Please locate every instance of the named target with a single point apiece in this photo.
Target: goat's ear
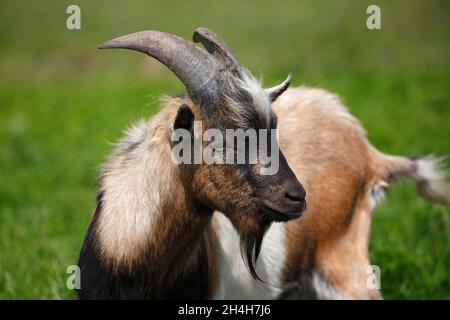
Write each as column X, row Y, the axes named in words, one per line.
column 184, row 118
column 276, row 91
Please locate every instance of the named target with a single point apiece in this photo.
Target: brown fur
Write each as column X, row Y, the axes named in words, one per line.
column 328, row 151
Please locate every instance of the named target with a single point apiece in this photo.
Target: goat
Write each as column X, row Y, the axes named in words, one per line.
column 164, row 230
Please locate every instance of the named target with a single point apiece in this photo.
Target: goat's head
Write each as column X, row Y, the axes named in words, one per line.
column 226, row 96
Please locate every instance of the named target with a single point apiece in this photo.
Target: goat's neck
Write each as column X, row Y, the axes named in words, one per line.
column 146, row 217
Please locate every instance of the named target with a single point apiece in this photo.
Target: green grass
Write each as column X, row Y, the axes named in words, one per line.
column 62, row 102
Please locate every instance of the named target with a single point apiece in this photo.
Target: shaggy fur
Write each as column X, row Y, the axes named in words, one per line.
column 154, row 234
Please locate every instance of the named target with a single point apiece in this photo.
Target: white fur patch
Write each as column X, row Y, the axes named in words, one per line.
column 377, row 193
column 260, row 97
column 235, row 279
column 324, row 289
column 431, row 179
column 430, row 168
column 134, row 185
column 133, row 135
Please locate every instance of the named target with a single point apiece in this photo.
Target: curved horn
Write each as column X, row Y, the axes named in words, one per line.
column 216, row 46
column 192, row 65
column 276, row 91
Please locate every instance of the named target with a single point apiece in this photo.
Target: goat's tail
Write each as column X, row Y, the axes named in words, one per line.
column 427, row 171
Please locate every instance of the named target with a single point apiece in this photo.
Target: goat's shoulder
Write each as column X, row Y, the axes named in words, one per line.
column 316, row 127
column 317, row 107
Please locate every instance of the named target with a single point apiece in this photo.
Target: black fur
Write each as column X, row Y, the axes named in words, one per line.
column 184, row 118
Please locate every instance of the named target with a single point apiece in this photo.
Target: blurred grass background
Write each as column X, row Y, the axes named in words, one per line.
column 62, row 101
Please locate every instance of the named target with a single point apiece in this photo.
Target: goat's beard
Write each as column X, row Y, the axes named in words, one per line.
column 250, row 250
column 251, row 232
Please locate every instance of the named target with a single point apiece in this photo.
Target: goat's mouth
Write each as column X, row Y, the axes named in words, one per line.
column 281, row 213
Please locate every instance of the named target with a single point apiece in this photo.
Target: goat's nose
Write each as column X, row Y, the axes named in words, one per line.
column 294, row 196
